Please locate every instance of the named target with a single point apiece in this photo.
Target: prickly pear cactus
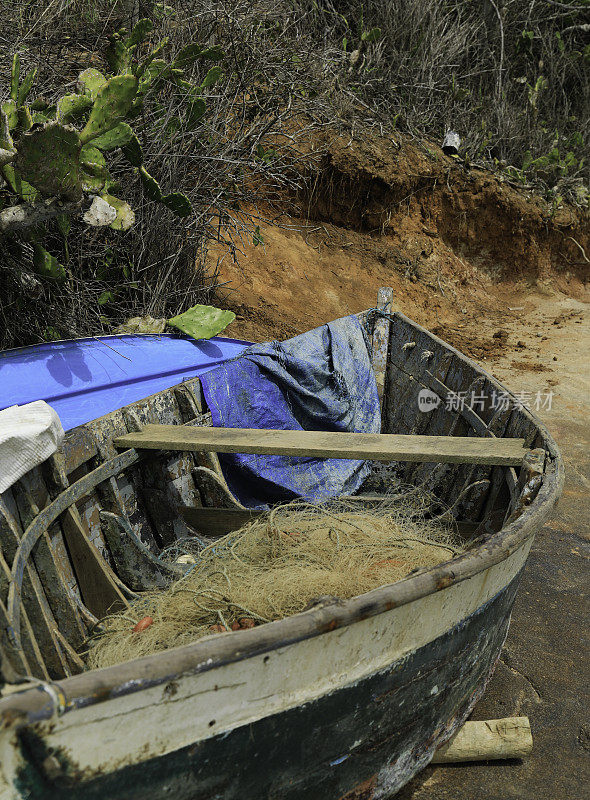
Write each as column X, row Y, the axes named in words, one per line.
column 90, row 81
column 150, row 185
column 46, row 265
column 7, row 148
column 133, row 152
column 118, row 136
column 202, row 322
column 178, row 203
column 60, row 151
column 72, row 106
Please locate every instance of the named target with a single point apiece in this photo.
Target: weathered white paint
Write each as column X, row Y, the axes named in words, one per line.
column 160, row 720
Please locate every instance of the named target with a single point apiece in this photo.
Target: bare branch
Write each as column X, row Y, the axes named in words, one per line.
column 583, row 28
column 17, row 218
column 566, row 6
column 501, row 64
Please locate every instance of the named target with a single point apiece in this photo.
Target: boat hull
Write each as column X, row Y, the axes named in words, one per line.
column 414, row 674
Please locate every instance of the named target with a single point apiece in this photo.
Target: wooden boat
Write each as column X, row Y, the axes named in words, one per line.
column 347, row 700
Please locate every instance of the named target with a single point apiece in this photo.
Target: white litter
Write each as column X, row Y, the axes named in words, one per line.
column 29, row 434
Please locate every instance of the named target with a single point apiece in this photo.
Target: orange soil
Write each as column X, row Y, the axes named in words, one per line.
column 484, row 265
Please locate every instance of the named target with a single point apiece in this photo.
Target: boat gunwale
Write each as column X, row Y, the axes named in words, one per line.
column 97, row 686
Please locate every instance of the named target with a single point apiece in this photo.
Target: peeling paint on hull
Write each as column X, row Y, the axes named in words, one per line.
column 379, row 731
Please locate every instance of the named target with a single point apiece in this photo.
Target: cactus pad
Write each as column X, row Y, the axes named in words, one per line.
column 25, row 119
column 139, row 33
column 117, row 54
column 39, row 104
column 112, row 104
column 118, row 136
column 18, row 186
column 211, row 77
column 132, row 152
column 90, row 81
column 91, row 182
column 6, row 142
column 49, row 158
column 125, row 214
column 41, row 117
column 92, row 155
column 195, row 111
column 189, row 54
column 94, row 173
column 25, row 88
column 7, row 149
column 72, row 106
column 151, row 185
column 178, row 203
column 9, row 108
column 144, row 65
column 46, row 265
column 152, row 72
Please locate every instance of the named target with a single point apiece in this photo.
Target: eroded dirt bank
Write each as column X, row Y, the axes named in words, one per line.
column 454, row 242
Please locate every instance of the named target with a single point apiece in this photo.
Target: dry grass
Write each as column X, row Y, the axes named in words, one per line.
column 510, row 76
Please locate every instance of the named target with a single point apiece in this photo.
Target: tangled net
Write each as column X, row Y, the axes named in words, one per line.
column 275, row 566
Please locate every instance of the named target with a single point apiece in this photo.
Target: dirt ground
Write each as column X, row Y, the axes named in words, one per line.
column 496, row 273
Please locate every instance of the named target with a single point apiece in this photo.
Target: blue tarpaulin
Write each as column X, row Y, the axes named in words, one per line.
column 82, row 379
column 319, row 381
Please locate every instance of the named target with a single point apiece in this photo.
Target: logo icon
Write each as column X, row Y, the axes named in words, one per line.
column 428, row 400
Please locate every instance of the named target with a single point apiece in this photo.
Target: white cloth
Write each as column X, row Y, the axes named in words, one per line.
column 29, row 434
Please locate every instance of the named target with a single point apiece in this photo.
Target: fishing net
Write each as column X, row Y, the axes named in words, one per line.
column 278, row 565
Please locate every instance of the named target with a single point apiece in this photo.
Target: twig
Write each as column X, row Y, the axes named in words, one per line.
column 501, row 64
column 566, row 6
column 584, row 28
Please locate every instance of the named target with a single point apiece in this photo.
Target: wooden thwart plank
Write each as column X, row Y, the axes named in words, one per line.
column 370, row 446
column 218, row 521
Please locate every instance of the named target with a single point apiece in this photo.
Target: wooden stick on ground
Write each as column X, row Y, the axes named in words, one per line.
column 485, row 741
